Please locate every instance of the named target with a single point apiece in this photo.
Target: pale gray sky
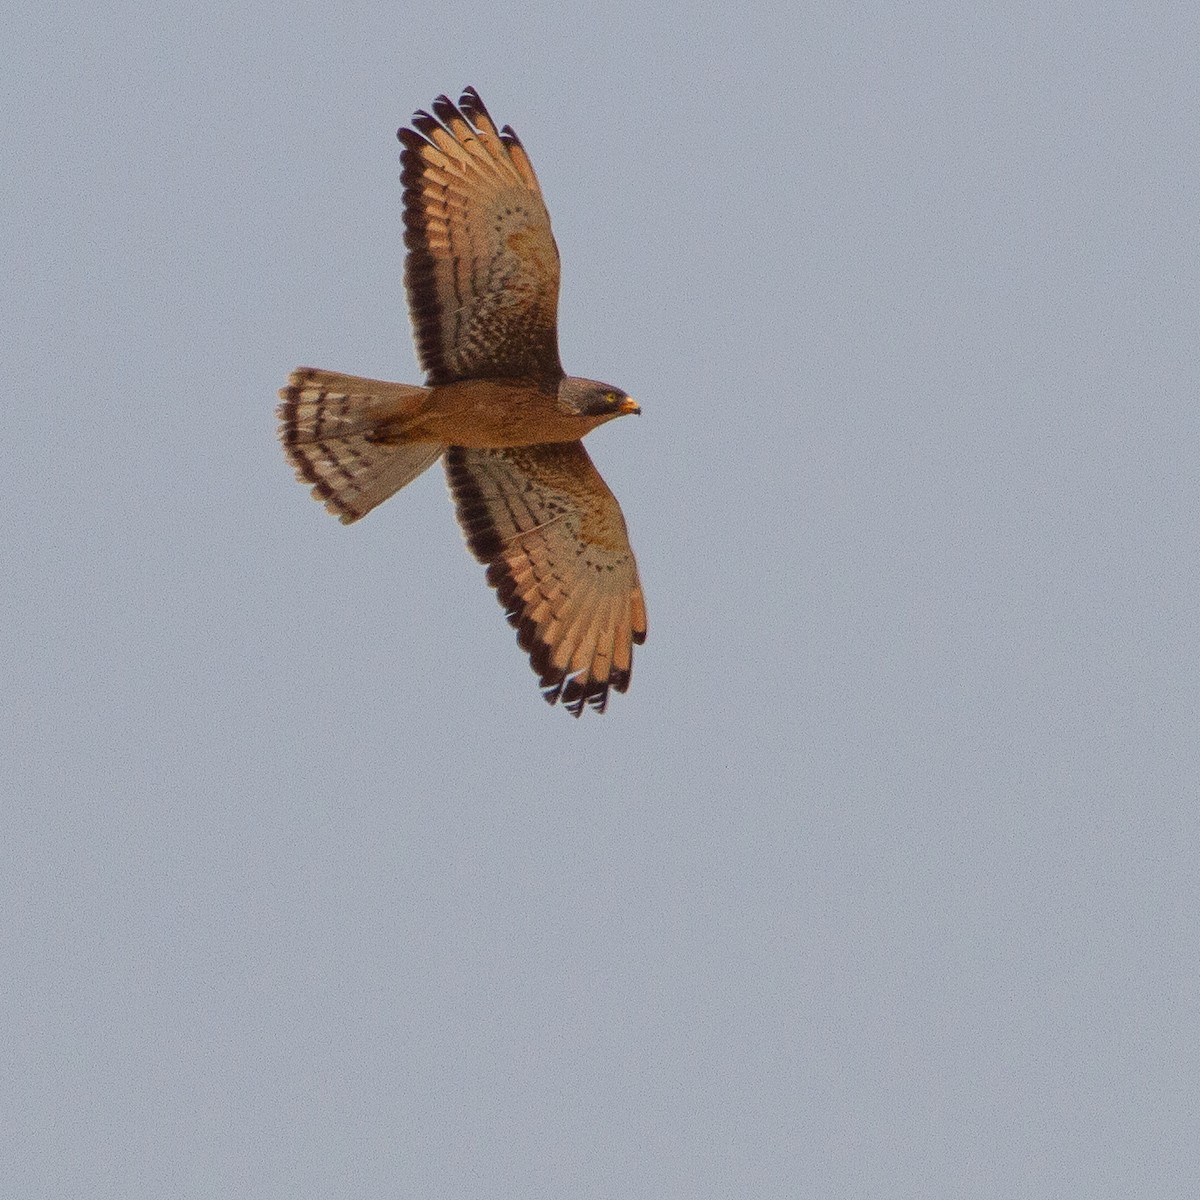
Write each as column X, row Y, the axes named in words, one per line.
column 881, row 880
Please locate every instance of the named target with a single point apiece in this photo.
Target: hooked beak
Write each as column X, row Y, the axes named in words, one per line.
column 629, row 405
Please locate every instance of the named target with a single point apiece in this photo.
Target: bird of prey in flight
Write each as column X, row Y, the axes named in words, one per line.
column 497, row 408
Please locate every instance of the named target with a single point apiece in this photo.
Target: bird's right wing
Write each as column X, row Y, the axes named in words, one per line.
column 482, row 267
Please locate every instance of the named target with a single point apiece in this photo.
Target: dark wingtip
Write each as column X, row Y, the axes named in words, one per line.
column 444, row 109
column 581, row 690
column 471, row 104
column 425, row 123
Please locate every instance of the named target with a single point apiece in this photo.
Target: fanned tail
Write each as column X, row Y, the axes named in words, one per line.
column 347, row 437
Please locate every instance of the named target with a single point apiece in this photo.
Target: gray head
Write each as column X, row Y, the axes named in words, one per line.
column 591, row 399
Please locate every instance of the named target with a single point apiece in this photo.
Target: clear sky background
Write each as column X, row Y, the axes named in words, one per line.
column 882, row 879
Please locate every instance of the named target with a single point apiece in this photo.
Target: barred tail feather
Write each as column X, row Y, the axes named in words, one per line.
column 345, row 436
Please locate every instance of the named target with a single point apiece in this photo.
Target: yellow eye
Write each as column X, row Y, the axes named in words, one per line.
column 611, row 397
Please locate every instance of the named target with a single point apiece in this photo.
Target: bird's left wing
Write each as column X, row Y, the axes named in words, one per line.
column 558, row 555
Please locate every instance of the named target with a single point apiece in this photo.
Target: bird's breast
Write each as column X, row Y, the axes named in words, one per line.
column 488, row 414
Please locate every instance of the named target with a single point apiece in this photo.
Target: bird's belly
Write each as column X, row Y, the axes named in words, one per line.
column 485, row 414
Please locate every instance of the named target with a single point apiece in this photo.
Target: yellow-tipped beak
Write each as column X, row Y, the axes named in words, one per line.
column 630, row 405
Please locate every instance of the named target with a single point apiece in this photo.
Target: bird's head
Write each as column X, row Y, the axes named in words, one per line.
column 598, row 400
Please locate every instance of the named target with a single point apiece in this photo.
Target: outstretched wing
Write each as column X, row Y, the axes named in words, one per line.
column 559, row 558
column 482, row 267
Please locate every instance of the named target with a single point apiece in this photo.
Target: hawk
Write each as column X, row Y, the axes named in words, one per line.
column 497, row 408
